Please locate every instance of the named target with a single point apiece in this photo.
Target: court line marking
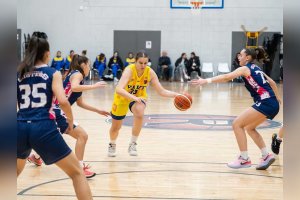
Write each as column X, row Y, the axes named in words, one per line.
column 151, row 171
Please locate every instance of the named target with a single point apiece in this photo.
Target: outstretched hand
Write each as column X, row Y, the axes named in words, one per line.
column 100, row 84
column 104, row 113
column 199, row 81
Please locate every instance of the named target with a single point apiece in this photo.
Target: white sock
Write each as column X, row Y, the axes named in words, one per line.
column 264, row 152
column 37, row 156
column 134, row 138
column 244, row 155
column 81, row 163
column 113, row 141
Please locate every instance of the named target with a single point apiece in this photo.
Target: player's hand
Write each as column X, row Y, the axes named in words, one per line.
column 103, row 112
column 100, row 84
column 140, row 100
column 199, row 81
column 70, row 125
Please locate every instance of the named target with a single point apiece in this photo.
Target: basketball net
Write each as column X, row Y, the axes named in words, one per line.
column 196, row 6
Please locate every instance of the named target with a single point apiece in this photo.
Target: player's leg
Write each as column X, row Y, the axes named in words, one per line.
column 48, row 142
column 238, row 126
column 276, row 141
column 20, row 165
column 81, row 137
column 138, row 110
column 116, row 125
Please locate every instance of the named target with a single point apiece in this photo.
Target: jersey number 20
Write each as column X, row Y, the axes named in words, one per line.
column 41, row 98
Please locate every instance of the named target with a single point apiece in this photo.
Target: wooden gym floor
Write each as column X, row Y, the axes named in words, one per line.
column 172, row 163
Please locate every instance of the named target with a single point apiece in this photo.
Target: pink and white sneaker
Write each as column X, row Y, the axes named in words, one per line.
column 265, row 162
column 240, row 163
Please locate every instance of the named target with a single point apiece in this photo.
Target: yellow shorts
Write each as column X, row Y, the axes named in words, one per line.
column 119, row 111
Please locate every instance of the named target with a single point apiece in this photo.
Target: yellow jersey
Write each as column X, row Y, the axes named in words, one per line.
column 136, row 86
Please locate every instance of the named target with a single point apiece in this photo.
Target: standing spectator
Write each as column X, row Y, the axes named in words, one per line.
column 194, row 64
column 115, row 64
column 84, row 52
column 68, row 61
column 58, row 62
column 130, row 59
column 164, row 67
column 181, row 65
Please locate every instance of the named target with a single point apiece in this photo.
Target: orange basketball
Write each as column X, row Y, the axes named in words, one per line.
column 182, row 102
column 188, row 96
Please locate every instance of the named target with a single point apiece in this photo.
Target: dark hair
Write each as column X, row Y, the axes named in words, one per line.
column 183, row 54
column 76, row 62
column 256, row 53
column 193, row 53
column 101, row 56
column 72, row 51
column 37, row 47
column 141, row 55
column 84, row 52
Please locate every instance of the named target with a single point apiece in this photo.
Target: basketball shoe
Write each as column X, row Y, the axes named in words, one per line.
column 34, row 160
column 275, row 146
column 132, row 149
column 111, row 150
column 240, row 163
column 265, row 162
column 87, row 172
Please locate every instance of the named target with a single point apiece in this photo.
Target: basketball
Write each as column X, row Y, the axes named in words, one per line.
column 183, row 102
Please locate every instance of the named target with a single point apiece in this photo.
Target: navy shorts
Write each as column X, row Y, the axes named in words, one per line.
column 44, row 137
column 268, row 107
column 61, row 121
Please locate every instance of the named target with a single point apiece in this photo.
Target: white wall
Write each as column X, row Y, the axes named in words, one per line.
column 208, row 34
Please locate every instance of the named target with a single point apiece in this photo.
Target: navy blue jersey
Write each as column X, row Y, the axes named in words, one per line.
column 34, row 94
column 257, row 84
column 72, row 96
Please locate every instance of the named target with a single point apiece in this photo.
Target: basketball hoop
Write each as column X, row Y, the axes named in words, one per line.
column 196, row 6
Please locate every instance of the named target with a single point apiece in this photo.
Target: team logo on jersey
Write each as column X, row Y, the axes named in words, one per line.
column 193, row 122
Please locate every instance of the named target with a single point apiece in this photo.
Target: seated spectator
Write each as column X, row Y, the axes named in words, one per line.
column 84, row 52
column 165, row 69
column 58, row 62
column 194, row 64
column 130, row 59
column 115, row 64
column 100, row 65
column 181, row 66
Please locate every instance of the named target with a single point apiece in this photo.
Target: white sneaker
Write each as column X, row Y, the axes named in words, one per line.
column 181, row 80
column 132, row 149
column 111, row 150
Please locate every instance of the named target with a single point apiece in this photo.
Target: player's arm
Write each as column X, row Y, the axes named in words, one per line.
column 241, row 71
column 274, row 87
column 58, row 90
column 76, row 87
column 120, row 88
column 86, row 106
column 158, row 87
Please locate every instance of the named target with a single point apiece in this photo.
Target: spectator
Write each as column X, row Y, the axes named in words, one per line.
column 194, row 64
column 84, row 52
column 181, row 66
column 164, row 67
column 68, row 61
column 100, row 65
column 130, row 59
column 115, row 64
column 58, row 62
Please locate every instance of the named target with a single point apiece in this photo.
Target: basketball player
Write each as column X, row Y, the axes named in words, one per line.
column 73, row 85
column 265, row 95
column 37, row 84
column 131, row 94
column 276, row 141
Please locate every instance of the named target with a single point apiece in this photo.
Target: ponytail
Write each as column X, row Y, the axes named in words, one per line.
column 256, row 54
column 76, row 62
column 37, row 47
